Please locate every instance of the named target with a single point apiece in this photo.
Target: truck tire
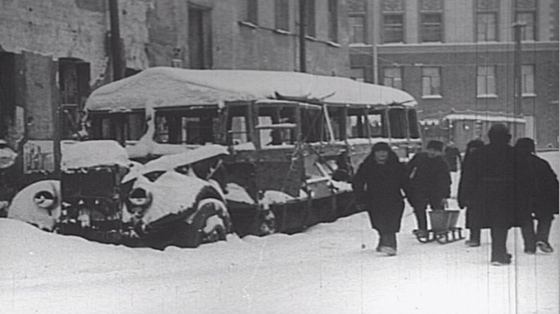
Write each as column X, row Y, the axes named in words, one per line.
column 211, row 223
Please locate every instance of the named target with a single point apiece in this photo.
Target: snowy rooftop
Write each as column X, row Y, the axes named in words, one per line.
column 169, row 87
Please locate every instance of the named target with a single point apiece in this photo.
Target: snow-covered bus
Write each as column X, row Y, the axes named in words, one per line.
column 292, row 142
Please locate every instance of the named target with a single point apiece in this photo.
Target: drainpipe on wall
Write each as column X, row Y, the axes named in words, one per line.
column 115, row 40
column 302, row 24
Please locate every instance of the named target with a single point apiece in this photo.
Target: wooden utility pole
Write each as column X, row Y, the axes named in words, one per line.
column 517, row 75
column 302, row 26
column 115, row 40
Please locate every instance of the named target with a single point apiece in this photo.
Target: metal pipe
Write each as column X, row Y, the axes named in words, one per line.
column 115, row 40
column 302, row 25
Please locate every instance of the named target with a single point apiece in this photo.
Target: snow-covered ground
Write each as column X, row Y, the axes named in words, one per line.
column 330, row 268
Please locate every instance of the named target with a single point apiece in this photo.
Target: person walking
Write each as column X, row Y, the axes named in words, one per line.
column 537, row 193
column 379, row 186
column 488, row 186
column 452, row 156
column 474, row 222
column 430, row 183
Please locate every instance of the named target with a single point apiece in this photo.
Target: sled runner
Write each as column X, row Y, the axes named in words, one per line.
column 443, row 227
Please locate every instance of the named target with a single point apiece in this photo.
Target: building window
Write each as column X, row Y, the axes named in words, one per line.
column 357, row 21
column 486, row 26
column 431, row 27
column 526, row 12
column 310, row 18
column 431, row 81
column 333, row 20
column 393, row 21
column 431, row 15
column 357, row 74
column 281, row 15
column 487, row 20
column 252, row 12
column 527, row 32
column 393, row 30
column 486, row 81
column 356, row 25
column 392, row 77
column 528, row 80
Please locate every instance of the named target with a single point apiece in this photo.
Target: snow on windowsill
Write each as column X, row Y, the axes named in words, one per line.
column 282, row 32
column 487, row 96
column 333, row 44
column 529, row 95
column 432, row 97
column 248, row 24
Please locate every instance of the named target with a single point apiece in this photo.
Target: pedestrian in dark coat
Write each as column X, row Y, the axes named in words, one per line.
column 537, row 193
column 474, row 222
column 379, row 185
column 430, row 183
column 452, row 156
column 488, row 184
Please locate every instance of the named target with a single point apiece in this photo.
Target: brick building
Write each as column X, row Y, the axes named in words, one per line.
column 457, row 56
column 55, row 52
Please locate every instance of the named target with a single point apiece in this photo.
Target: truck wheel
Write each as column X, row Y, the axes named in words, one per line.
column 211, row 223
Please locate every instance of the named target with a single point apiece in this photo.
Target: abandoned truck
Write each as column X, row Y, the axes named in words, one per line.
column 215, row 151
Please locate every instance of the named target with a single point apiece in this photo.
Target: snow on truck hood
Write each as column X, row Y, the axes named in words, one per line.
column 179, row 87
column 76, row 155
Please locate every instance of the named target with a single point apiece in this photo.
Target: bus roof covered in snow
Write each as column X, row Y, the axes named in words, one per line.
column 172, row 87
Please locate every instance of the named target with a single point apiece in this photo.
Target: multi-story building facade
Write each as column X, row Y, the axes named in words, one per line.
column 458, row 56
column 55, row 52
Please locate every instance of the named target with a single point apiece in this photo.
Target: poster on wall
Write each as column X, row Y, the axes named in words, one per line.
column 38, row 156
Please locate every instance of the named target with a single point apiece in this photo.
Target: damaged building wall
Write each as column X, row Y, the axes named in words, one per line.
column 233, row 44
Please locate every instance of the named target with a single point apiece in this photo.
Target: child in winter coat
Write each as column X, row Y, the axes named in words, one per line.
column 379, row 185
column 430, row 183
column 473, row 221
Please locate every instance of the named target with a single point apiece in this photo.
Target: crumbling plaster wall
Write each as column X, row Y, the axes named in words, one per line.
column 74, row 29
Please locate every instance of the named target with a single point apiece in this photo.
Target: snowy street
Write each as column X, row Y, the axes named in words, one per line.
column 329, row 268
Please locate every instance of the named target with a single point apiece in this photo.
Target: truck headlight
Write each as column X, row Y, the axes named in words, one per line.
column 44, row 199
column 139, row 197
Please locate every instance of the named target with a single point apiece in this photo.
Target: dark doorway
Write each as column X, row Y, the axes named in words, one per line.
column 200, row 39
column 73, row 78
column 7, row 91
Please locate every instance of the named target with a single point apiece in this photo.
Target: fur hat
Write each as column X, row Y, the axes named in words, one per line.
column 525, row 146
column 499, row 133
column 436, row 145
column 381, row 146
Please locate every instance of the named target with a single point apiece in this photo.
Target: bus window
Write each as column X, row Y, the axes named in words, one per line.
column 336, row 116
column 135, row 126
column 107, row 129
column 110, row 126
column 239, row 130
column 237, row 125
column 355, row 125
column 398, row 123
column 311, row 125
column 187, row 127
column 376, row 125
column 275, row 125
column 162, row 130
column 413, row 124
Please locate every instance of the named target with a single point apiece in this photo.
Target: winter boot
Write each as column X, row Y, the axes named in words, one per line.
column 388, row 250
column 545, row 247
column 502, row 261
